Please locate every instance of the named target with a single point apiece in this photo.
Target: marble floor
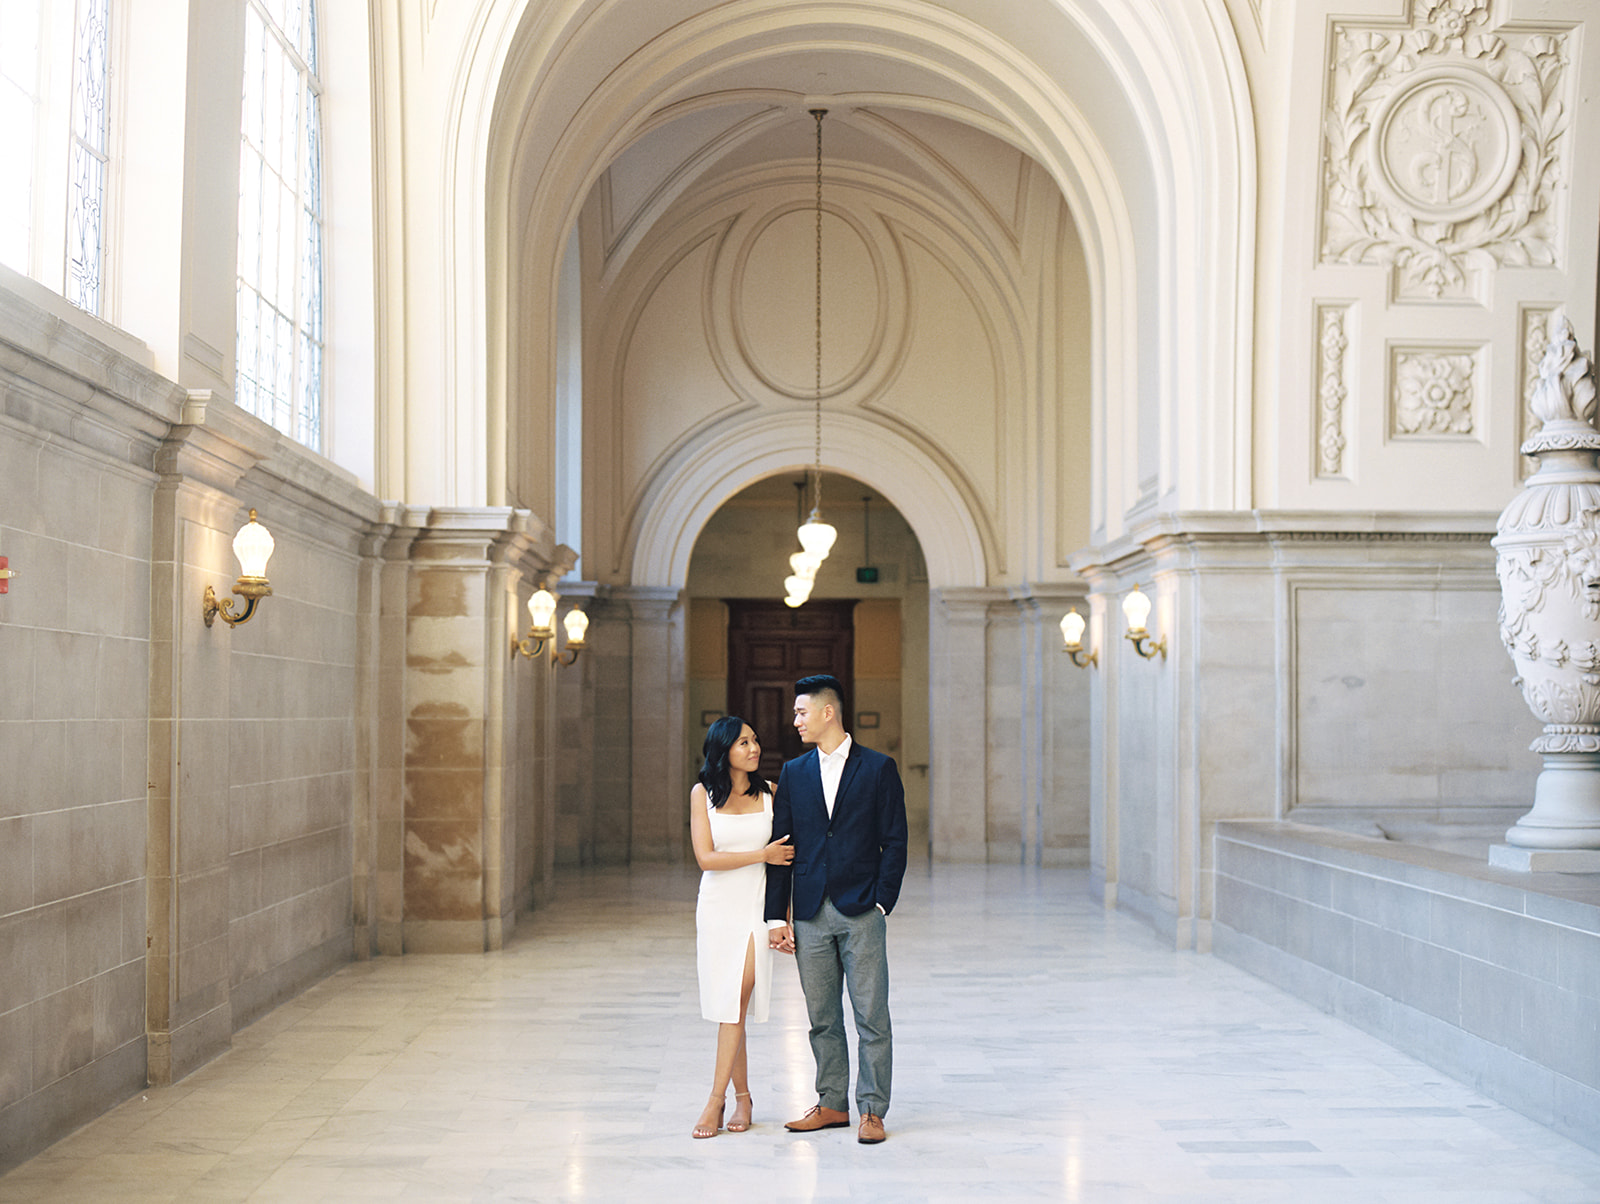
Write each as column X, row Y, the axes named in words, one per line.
column 1045, row 1050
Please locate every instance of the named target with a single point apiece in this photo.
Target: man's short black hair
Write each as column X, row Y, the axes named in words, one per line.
column 823, row 684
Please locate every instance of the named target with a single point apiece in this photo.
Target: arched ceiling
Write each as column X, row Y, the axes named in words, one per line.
column 699, row 147
column 663, row 97
column 1133, row 107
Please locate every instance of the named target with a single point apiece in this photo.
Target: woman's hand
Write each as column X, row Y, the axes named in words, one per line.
column 779, row 852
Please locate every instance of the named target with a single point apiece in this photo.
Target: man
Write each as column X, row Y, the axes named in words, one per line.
column 845, row 810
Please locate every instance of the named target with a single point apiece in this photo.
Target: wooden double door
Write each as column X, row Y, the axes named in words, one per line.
column 770, row 646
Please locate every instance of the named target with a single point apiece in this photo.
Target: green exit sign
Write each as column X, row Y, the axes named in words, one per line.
column 867, row 575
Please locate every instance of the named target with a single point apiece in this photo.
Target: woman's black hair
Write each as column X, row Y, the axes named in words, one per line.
column 714, row 774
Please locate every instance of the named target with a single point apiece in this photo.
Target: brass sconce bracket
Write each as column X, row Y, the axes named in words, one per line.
column 1141, row 638
column 531, row 645
column 1079, row 659
column 251, row 589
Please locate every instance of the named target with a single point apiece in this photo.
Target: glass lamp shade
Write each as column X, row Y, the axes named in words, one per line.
column 253, row 547
column 1136, row 608
column 1072, row 625
column 791, row 602
column 542, row 610
column 577, row 625
column 817, row 537
column 805, row 564
column 798, row 587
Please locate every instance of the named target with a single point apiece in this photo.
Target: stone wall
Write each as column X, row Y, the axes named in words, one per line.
column 199, row 821
column 1343, row 670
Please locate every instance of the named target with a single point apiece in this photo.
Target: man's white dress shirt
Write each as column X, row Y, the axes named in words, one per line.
column 832, row 766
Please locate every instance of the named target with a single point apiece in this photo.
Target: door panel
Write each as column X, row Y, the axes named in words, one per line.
column 770, row 645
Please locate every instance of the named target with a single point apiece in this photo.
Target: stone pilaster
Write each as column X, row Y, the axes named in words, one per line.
column 958, row 721
column 188, row 1009
column 659, row 783
column 369, row 778
column 1047, row 771
column 460, row 752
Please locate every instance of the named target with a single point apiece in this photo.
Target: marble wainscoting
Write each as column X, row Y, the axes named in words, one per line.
column 1343, row 666
column 1490, row 975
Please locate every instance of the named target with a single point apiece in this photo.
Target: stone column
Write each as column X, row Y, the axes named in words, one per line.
column 958, row 620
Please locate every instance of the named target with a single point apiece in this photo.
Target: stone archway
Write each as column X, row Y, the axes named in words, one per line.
column 534, row 101
column 1135, row 109
column 690, row 489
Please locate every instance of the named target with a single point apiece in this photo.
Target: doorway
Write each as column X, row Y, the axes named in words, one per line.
column 770, row 645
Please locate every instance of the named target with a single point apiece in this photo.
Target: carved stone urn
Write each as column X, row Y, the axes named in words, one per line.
column 1548, row 561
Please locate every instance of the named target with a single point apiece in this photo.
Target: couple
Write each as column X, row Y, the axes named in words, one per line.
column 837, row 826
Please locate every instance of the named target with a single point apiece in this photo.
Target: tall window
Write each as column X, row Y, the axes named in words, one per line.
column 280, row 312
column 86, row 168
column 19, row 115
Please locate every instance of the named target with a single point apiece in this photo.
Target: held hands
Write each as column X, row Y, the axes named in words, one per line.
column 781, row 939
column 779, row 852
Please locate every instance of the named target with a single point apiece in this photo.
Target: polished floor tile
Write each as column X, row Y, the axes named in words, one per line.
column 1045, row 1050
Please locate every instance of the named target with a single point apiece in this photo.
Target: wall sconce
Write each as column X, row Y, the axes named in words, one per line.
column 1136, row 608
column 1072, row 625
column 542, row 613
column 253, row 547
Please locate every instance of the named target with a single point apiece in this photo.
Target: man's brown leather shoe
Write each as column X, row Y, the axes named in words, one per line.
column 821, row 1118
column 871, row 1130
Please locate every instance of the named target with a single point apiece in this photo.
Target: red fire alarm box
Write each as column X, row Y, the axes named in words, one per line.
column 5, row 574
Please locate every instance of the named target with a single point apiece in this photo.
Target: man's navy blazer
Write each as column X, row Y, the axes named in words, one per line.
column 858, row 858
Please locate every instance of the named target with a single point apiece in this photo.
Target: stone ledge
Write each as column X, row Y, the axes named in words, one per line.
column 1547, row 861
column 1560, row 897
column 1487, row 973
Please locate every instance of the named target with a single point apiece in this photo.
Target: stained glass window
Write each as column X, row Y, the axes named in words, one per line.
column 280, row 288
column 86, row 168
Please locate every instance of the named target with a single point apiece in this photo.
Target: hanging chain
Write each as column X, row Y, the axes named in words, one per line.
column 816, row 472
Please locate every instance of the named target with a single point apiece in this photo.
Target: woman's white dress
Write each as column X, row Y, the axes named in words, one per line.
column 729, row 915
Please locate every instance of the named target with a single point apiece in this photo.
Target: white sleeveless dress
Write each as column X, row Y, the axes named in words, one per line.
column 729, row 915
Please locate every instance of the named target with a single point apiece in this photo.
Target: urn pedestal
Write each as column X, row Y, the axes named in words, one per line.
column 1548, row 561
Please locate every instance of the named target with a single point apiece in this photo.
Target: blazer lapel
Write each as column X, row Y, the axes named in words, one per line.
column 851, row 764
column 812, row 769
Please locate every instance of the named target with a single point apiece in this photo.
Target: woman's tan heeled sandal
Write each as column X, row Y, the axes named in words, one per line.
column 702, row 1130
column 733, row 1125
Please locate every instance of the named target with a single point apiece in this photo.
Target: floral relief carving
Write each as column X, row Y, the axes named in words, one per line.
column 1433, row 393
column 1535, row 336
column 1332, row 343
column 1443, row 147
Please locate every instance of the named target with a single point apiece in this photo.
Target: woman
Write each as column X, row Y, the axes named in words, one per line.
column 730, row 821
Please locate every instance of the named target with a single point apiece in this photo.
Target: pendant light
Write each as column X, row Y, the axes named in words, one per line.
column 816, row 536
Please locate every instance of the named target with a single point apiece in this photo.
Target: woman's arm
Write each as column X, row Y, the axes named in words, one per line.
column 709, row 858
